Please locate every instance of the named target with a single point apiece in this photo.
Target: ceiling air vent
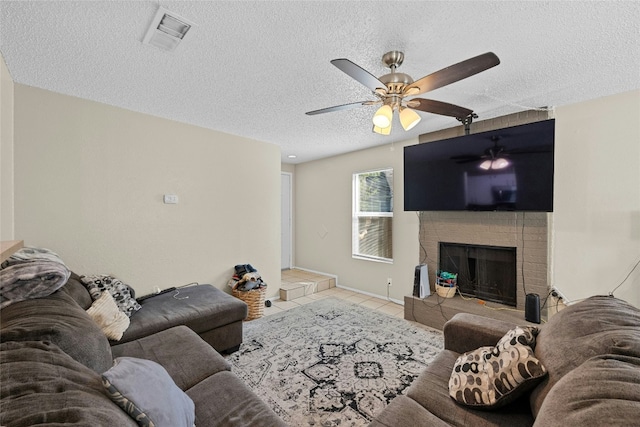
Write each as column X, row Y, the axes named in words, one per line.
column 166, row 30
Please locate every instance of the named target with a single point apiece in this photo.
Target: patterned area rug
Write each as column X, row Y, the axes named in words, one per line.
column 332, row 363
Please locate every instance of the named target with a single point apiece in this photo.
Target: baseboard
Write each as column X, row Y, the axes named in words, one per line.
column 371, row 294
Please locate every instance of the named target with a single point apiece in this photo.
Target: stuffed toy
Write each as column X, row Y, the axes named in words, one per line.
column 246, row 278
column 251, row 277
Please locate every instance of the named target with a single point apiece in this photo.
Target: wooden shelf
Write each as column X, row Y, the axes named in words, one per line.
column 9, row 247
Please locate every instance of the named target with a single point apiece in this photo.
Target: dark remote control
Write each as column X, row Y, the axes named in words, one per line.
column 164, row 291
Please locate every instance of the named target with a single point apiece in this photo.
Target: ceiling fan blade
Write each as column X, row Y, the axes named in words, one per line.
column 439, row 107
column 529, row 150
column 358, row 73
column 340, row 107
column 466, row 159
column 453, row 73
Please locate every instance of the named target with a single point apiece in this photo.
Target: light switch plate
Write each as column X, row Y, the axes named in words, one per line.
column 171, row 199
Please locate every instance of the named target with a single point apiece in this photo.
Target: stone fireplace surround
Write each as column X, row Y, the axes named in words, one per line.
column 526, row 231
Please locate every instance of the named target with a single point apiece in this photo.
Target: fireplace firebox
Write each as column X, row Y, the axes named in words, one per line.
column 485, row 272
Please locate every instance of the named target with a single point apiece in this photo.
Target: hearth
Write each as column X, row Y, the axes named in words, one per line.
column 485, row 272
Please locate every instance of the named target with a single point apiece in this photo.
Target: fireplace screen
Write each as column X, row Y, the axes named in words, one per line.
column 485, row 272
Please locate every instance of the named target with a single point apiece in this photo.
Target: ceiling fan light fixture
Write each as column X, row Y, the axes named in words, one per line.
column 383, row 117
column 486, row 165
column 500, row 163
column 382, row 131
column 409, row 118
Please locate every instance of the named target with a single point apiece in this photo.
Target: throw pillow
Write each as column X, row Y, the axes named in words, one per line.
column 491, row 377
column 108, row 316
column 144, row 390
column 525, row 335
column 121, row 292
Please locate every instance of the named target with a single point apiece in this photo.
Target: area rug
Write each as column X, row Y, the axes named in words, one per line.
column 332, row 363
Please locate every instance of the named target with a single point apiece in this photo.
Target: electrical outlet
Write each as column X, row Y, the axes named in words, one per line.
column 389, row 283
column 557, row 294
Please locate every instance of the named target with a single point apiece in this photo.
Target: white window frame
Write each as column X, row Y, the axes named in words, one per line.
column 356, row 215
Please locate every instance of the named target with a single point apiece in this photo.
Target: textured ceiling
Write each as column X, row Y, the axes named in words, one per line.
column 253, row 68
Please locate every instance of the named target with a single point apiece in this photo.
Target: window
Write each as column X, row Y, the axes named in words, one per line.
column 373, row 215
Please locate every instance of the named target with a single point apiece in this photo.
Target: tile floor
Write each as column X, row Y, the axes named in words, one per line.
column 374, row 303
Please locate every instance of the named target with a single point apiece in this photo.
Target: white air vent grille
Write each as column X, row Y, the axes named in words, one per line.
column 166, row 30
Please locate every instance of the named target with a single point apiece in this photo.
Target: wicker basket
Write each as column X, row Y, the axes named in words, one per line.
column 254, row 299
column 446, row 291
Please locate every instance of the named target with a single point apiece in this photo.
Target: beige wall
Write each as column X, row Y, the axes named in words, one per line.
column 6, row 153
column 289, row 168
column 323, row 222
column 596, row 223
column 595, row 227
column 89, row 183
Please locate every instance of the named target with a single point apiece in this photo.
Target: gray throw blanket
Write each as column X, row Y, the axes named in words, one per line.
column 29, row 254
column 31, row 273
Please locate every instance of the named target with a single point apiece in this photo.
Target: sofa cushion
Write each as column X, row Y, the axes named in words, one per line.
column 431, row 391
column 491, row 377
column 58, row 319
column 186, row 357
column 466, row 332
column 123, row 294
column 596, row 326
column 201, row 308
column 144, row 390
column 108, row 316
column 78, row 291
column 604, row 390
column 235, row 404
column 40, row 384
column 403, row 411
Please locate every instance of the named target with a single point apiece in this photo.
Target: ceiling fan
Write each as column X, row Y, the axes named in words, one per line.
column 395, row 90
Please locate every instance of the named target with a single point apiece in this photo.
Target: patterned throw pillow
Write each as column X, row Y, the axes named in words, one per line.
column 491, row 377
column 121, row 292
column 145, row 391
column 106, row 314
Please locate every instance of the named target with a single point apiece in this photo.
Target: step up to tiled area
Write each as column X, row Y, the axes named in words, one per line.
column 299, row 283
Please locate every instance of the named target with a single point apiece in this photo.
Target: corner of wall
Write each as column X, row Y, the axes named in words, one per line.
column 287, row 167
column 6, row 153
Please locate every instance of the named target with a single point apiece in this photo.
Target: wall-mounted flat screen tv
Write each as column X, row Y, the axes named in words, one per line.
column 509, row 169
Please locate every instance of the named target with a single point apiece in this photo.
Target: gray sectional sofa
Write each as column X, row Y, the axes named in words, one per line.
column 591, row 351
column 211, row 313
column 52, row 355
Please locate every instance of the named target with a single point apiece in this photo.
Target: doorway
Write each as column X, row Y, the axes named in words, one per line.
column 286, row 223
